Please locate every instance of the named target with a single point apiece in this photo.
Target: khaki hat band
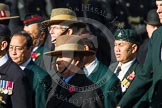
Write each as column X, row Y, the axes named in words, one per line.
column 71, row 47
column 64, row 17
column 4, row 13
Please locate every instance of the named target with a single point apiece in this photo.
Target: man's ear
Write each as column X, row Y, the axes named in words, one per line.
column 4, row 45
column 134, row 48
column 86, row 48
column 70, row 31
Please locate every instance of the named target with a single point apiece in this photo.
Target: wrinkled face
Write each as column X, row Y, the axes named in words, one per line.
column 18, row 51
column 159, row 9
column 33, row 30
column 55, row 31
column 123, row 51
column 150, row 29
column 66, row 64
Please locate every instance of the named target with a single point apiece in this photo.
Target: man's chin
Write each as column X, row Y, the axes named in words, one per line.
column 161, row 20
column 54, row 41
column 19, row 63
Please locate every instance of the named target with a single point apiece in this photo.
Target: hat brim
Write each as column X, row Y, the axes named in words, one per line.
column 152, row 23
column 58, row 53
column 5, row 18
column 48, row 23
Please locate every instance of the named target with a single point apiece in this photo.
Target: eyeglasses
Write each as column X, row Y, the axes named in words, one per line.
column 16, row 48
column 57, row 28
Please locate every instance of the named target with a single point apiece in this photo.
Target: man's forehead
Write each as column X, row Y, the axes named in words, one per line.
column 18, row 38
column 158, row 3
column 122, row 41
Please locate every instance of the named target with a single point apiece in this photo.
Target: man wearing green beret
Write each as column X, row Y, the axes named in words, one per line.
column 127, row 67
column 151, row 72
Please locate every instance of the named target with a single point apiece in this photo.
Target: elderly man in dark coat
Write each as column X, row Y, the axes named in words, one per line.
column 14, row 85
column 74, row 89
column 20, row 52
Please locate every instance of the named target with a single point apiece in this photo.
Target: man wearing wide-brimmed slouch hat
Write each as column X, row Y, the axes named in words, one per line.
column 6, row 18
column 5, row 14
column 63, row 21
column 74, row 89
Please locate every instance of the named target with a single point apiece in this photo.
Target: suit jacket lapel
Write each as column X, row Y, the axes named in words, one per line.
column 53, row 90
column 29, row 71
column 40, row 49
column 157, row 47
column 95, row 73
column 113, row 66
column 30, row 65
column 131, row 69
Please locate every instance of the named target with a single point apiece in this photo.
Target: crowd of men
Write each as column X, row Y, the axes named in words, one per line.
column 82, row 56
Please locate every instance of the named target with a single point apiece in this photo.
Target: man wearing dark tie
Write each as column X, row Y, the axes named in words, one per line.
column 126, row 46
column 151, row 72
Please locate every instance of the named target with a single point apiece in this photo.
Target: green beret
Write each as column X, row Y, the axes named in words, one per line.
column 129, row 35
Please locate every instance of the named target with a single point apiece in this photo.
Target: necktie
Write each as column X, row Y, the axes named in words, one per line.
column 118, row 70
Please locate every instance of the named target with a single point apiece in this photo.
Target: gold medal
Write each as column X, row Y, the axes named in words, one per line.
column 5, row 91
column 9, row 91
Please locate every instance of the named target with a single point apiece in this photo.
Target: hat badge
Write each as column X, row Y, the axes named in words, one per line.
column 120, row 34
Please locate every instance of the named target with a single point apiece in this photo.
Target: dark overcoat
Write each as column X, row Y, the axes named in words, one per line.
column 76, row 95
column 40, row 82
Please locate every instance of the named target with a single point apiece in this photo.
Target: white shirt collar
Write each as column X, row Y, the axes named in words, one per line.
column 124, row 68
column 22, row 66
column 35, row 48
column 4, row 59
column 89, row 68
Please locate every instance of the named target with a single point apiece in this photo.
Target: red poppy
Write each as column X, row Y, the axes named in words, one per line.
column 131, row 76
column 72, row 89
column 35, row 55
